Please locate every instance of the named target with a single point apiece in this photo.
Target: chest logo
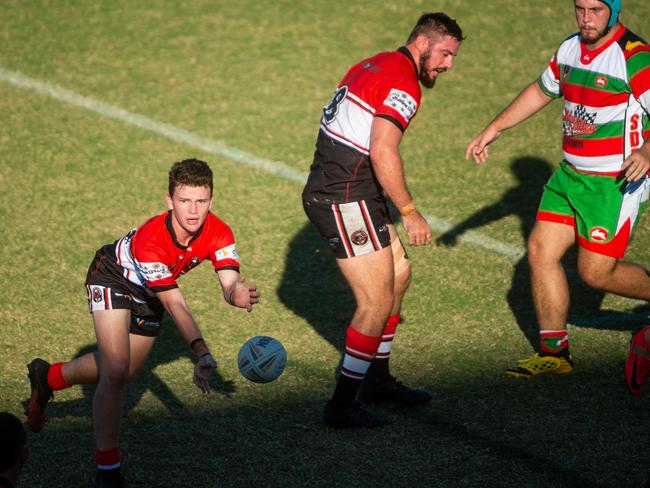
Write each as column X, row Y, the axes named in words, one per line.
column 601, row 81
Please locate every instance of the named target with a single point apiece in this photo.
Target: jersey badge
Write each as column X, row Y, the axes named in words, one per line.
column 601, row 81
column 402, row 102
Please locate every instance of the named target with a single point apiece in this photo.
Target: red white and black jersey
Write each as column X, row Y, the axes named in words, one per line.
column 151, row 258
column 385, row 85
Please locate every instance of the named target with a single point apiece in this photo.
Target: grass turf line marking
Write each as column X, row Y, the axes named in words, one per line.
column 218, row 148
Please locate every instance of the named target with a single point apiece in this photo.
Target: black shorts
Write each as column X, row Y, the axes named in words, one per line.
column 108, row 290
column 353, row 228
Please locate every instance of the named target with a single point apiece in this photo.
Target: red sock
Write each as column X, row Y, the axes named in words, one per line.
column 107, row 460
column 360, row 349
column 55, row 377
column 387, row 337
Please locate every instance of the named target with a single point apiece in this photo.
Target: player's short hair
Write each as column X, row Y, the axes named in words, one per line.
column 13, row 441
column 190, row 172
column 436, row 23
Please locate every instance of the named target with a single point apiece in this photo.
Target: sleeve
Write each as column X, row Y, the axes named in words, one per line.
column 549, row 81
column 638, row 66
column 224, row 255
column 152, row 264
column 399, row 102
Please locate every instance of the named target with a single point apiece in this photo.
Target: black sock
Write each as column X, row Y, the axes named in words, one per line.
column 345, row 392
column 378, row 372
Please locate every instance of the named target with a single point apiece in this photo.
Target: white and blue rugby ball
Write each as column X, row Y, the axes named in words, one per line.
column 262, row 359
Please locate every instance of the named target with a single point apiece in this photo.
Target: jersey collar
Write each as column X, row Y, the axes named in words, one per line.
column 170, row 228
column 408, row 54
column 587, row 56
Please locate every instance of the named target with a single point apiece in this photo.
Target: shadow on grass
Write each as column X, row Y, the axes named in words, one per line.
column 313, row 287
column 561, row 432
column 169, row 347
column 522, row 201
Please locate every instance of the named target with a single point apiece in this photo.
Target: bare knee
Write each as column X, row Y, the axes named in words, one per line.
column 115, row 375
column 594, row 276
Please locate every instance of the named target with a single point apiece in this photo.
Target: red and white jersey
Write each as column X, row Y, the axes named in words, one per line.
column 606, row 99
column 385, row 85
column 150, row 256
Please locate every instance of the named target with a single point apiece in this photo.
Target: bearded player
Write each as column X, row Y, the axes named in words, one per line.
column 599, row 191
column 356, row 165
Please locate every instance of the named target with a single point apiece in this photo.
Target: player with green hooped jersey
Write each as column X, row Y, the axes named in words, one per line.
column 606, row 95
column 597, row 194
column 606, row 99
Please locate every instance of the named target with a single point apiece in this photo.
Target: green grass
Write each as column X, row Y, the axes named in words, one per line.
column 254, row 76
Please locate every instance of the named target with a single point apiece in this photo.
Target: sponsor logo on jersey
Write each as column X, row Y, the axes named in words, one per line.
column 601, row 81
column 154, row 271
column 228, row 252
column 402, row 102
column 598, row 234
column 359, row 237
column 578, row 122
column 631, row 45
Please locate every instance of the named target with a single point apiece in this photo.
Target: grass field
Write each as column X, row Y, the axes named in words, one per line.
column 241, row 85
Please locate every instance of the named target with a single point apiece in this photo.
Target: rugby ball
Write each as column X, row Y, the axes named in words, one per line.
column 261, row 359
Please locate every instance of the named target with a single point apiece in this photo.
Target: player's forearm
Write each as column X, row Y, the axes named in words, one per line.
column 187, row 326
column 530, row 101
column 390, row 173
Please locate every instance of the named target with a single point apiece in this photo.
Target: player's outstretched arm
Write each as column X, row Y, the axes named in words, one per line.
column 175, row 304
column 234, row 290
column 530, row 101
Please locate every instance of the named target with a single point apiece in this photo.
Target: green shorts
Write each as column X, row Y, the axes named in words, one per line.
column 604, row 209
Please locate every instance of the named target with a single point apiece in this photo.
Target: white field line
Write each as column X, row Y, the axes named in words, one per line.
column 214, row 147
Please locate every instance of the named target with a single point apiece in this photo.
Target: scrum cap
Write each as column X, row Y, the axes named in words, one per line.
column 614, row 11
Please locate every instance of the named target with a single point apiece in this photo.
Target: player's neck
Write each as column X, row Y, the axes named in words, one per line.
column 603, row 40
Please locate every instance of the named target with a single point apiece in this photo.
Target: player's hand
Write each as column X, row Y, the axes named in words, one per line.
column 636, row 166
column 479, row 148
column 202, row 371
column 244, row 296
column 417, row 229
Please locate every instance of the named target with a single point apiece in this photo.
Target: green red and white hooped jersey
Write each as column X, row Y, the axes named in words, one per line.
column 606, row 99
column 151, row 257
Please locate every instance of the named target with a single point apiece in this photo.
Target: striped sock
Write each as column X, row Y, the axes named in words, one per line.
column 379, row 370
column 554, row 343
column 359, row 352
column 55, row 377
column 108, row 460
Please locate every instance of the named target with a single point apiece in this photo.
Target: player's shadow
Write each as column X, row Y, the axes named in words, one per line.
column 313, row 287
column 169, row 347
column 522, row 200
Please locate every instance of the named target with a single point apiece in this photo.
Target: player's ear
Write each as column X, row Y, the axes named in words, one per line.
column 168, row 199
column 422, row 43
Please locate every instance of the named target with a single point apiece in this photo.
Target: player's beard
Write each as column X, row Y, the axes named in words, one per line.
column 596, row 36
column 424, row 76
